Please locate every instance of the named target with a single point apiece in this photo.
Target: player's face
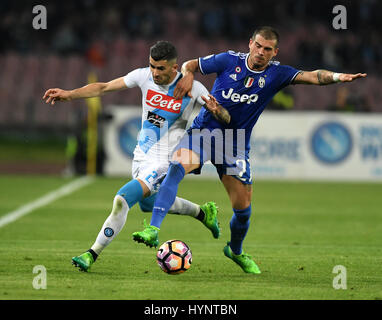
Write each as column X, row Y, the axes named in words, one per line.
column 261, row 51
column 163, row 71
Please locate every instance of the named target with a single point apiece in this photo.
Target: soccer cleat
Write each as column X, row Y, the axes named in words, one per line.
column 149, row 236
column 243, row 260
column 83, row 262
column 210, row 218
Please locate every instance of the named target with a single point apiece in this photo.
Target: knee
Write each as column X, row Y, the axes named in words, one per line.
column 131, row 192
column 119, row 205
column 242, row 201
column 239, row 194
column 187, row 159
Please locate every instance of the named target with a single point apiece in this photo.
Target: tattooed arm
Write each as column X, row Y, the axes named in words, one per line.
column 216, row 109
column 324, row 77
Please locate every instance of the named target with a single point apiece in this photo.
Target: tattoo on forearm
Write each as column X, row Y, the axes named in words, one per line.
column 223, row 115
column 325, row 77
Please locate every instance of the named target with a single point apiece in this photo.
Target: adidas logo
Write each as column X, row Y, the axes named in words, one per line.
column 233, row 76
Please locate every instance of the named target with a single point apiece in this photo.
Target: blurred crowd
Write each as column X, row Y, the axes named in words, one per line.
column 75, row 27
column 113, row 37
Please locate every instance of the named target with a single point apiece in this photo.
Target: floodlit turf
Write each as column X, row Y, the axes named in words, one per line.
column 299, row 232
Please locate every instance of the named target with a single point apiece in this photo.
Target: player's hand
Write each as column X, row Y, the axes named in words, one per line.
column 56, row 94
column 184, row 86
column 211, row 104
column 346, row 77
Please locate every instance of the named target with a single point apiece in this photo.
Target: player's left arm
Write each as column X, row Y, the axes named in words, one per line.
column 216, row 109
column 324, row 77
column 184, row 85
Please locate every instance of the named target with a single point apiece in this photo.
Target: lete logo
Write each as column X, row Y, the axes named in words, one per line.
column 161, row 101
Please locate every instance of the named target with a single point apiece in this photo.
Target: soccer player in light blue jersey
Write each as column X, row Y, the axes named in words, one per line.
column 244, row 85
column 164, row 120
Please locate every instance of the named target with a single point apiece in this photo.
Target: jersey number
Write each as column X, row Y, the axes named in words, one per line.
column 241, row 163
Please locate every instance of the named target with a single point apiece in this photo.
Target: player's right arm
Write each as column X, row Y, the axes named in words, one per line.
column 95, row 89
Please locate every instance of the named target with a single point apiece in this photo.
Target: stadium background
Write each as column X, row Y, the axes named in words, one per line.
column 111, row 38
column 300, row 230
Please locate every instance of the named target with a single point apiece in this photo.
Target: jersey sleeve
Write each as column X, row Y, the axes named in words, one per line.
column 214, row 63
column 199, row 90
column 287, row 75
column 135, row 77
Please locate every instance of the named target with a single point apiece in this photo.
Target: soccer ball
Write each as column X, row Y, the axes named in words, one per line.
column 174, row 257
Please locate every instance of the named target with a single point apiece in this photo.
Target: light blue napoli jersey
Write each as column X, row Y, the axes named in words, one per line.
column 242, row 91
column 164, row 119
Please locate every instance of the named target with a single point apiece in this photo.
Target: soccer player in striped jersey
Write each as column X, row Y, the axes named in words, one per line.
column 164, row 120
column 244, row 85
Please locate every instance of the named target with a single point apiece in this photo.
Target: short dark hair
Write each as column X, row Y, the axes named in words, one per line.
column 163, row 50
column 267, row 33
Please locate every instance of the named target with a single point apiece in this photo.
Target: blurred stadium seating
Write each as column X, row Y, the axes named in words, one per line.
column 113, row 37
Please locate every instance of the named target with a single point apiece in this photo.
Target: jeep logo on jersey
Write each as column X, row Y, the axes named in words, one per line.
column 235, row 97
column 162, row 101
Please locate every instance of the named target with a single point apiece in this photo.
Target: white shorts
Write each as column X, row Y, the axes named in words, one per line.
column 150, row 172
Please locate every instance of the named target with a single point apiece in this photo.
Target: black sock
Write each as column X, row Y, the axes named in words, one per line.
column 201, row 215
column 93, row 254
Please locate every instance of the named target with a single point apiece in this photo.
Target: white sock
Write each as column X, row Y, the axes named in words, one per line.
column 113, row 224
column 184, row 207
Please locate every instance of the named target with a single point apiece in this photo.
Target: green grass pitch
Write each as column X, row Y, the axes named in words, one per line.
column 299, row 232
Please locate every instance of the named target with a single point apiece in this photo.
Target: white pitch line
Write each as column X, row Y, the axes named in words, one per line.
column 44, row 200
